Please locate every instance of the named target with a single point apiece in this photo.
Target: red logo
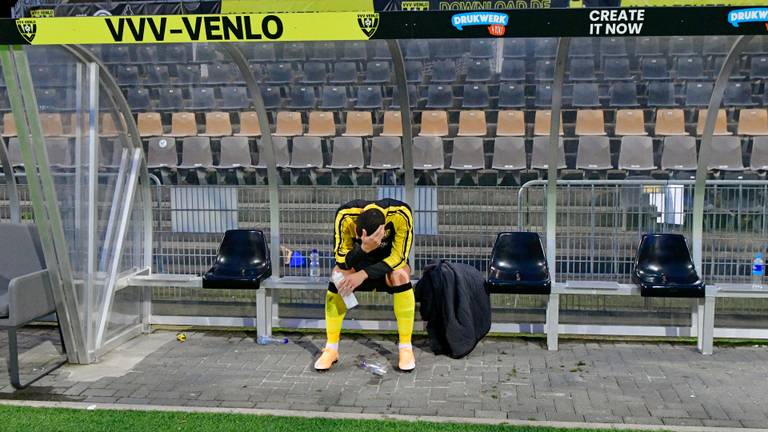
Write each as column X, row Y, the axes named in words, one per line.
column 497, row 30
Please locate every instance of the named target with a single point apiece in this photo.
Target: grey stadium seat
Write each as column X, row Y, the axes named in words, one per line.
column 511, row 96
column 725, row 154
column 636, row 153
column 585, row 95
column 271, row 97
column 413, row 97
column 479, row 71
column 234, row 98
column 582, row 69
column 690, row 68
column 679, row 153
column 307, row 152
column 439, row 96
column 294, row 52
column 223, row 73
column 515, row 48
column 302, row 97
column 654, row 68
column 324, row 51
column 623, row 94
column 759, row 158
column 377, row 72
column 509, row 154
column 413, row 71
column 698, row 93
column 162, row 153
column 468, row 154
column 416, row 49
column 157, row 75
column 386, row 153
column 661, row 94
column 138, row 99
column 282, row 157
column 344, row 73
column 314, row 73
column 539, row 158
column 196, row 155
column 481, row 48
column 354, row 51
column 616, row 68
column 513, row 70
column 235, row 153
column 59, row 152
column 333, row 98
column 428, row 153
column 544, row 47
column 475, row 96
column 279, row 73
column 202, row 98
column 188, row 74
column 594, row 153
column 545, row 70
column 260, row 53
column 738, row 94
column 369, row 97
column 347, row 153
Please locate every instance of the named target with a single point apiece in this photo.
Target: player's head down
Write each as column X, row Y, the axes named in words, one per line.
column 369, row 220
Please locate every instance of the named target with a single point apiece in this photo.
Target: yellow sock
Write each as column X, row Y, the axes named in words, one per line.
column 335, row 309
column 405, row 310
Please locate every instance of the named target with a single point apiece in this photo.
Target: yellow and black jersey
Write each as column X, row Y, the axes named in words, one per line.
column 395, row 246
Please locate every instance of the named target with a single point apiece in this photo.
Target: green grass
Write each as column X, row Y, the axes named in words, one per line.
column 59, row 419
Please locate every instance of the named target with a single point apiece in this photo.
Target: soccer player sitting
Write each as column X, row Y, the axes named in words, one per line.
column 372, row 242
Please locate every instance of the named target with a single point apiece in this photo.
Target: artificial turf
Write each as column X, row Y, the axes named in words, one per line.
column 60, row 419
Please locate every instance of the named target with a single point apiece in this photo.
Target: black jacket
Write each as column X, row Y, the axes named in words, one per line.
column 456, row 307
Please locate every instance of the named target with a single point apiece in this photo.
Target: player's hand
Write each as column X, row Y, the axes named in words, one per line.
column 351, row 282
column 372, row 242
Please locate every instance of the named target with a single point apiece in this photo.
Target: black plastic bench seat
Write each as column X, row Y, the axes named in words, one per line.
column 664, row 268
column 242, row 261
column 518, row 265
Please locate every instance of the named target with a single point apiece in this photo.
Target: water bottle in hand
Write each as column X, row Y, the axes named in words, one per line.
column 270, row 340
column 375, row 368
column 314, row 266
column 758, row 271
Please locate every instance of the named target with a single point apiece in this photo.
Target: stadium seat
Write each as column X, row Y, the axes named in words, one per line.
column 623, row 94
column 716, row 45
column 509, row 154
column 413, row 97
column 690, row 68
column 717, row 65
column 202, row 98
column 475, row 96
column 467, row 159
column 137, row 98
column 314, row 73
column 197, row 158
column 380, row 50
column 416, row 49
column 162, row 153
column 616, row 69
column 510, row 123
column 52, row 124
column 545, row 70
column 590, row 122
column 664, row 267
column 188, row 74
column 280, row 147
column 443, row 71
column 434, row 123
column 447, row 49
column 542, row 123
column 543, row 96
column 354, row 51
column 698, row 93
column 323, row 51
column 359, row 123
column 670, row 122
column 59, row 153
column 518, row 265
column 242, row 261
column 157, row 75
column 479, row 70
column 294, row 52
column 149, row 124
column 278, row 73
column 128, row 75
column 540, row 151
column 271, row 97
column 321, row 124
column 377, row 72
column 544, row 47
column 14, row 152
column 582, row 69
column 636, row 154
column 682, row 46
column 233, row 98
column 223, row 73
column 108, row 127
column 343, row 73
column 593, row 153
column 472, row 123
column 721, row 124
column 369, row 97
column 613, row 47
column 759, row 155
column 249, row 124
column 428, row 153
column 758, row 68
column 169, row 99
column 183, row 124
column 301, row 97
column 413, row 71
column 753, row 122
column 333, row 98
column 512, row 96
column 481, row 48
column 661, row 94
column 585, row 95
column 110, row 153
column 116, row 54
column 347, row 154
column 679, row 153
column 386, row 153
column 738, row 94
column 630, row 122
column 235, row 153
column 208, row 53
column 439, row 96
column 512, row 70
column 654, row 68
column 306, row 156
column 217, row 124
column 393, row 124
column 48, row 99
column 288, row 124
column 514, row 48
column 725, row 154
column 581, row 47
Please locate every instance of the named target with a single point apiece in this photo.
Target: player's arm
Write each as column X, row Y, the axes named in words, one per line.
column 348, row 254
column 401, row 246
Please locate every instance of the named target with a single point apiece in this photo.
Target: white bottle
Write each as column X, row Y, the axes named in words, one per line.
column 350, row 301
column 314, row 266
column 758, row 271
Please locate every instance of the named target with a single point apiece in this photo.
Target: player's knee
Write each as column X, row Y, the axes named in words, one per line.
column 399, row 277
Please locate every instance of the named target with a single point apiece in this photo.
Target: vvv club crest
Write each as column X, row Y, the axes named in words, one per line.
column 368, row 23
column 27, row 28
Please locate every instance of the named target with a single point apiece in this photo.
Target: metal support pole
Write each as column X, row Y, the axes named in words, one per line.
column 699, row 188
column 268, row 158
column 10, row 186
column 405, row 117
column 553, row 155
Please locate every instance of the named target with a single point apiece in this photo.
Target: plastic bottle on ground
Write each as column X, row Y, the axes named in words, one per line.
column 270, row 340
column 375, row 368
